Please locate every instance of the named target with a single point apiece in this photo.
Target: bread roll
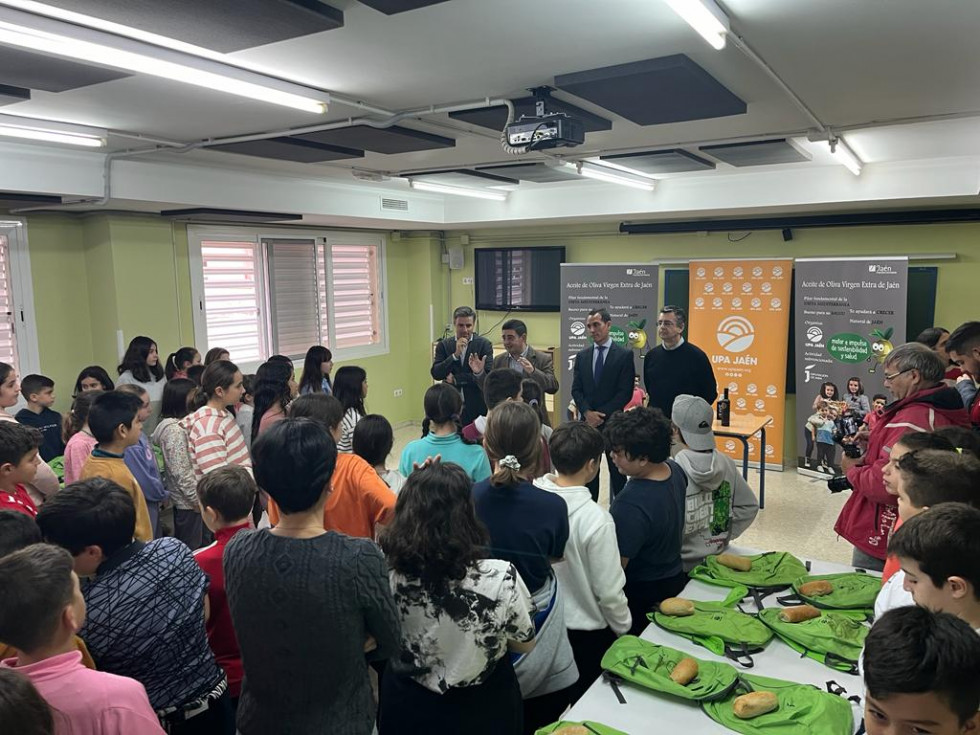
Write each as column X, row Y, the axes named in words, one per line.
column 677, row 606
column 755, row 704
column 572, row 730
column 685, row 672
column 799, row 613
column 817, row 588
column 734, row 561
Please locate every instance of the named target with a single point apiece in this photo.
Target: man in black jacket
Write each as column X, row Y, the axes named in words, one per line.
column 460, row 359
column 602, row 384
column 676, row 367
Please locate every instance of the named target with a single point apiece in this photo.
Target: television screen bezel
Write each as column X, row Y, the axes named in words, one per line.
column 476, row 284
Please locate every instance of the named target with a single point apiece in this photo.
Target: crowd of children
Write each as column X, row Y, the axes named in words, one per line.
column 474, row 589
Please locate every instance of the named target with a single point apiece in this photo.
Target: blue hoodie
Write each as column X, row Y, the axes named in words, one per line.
column 142, row 463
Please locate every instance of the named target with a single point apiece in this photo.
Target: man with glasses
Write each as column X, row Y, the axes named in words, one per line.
column 914, row 376
column 676, row 367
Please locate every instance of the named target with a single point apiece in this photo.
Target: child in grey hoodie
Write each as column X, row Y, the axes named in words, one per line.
column 720, row 505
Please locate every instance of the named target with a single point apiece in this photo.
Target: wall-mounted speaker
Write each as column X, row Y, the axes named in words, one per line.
column 455, row 259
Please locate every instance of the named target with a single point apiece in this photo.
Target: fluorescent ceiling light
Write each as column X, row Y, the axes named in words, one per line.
column 57, row 38
column 705, row 17
column 51, row 136
column 462, row 191
column 625, row 169
column 601, row 173
column 845, row 156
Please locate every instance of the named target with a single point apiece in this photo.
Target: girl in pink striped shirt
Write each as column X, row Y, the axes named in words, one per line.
column 79, row 441
column 213, row 436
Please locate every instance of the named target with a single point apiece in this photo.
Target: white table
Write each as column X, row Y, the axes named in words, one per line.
column 646, row 711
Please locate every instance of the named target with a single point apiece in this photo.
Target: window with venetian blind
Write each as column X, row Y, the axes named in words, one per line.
column 8, row 335
column 280, row 293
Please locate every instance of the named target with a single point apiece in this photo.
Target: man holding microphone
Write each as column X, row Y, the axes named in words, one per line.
column 460, row 359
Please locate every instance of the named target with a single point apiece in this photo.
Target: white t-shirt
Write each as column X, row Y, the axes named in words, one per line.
column 893, row 595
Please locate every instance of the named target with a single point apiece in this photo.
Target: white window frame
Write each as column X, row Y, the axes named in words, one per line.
column 198, row 234
column 22, row 288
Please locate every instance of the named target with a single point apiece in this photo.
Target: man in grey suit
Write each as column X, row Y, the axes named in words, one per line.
column 524, row 359
column 602, row 384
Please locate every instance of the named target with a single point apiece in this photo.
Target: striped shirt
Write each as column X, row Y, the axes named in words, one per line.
column 214, row 440
column 347, row 424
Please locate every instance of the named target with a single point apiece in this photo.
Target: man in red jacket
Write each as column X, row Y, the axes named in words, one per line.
column 914, row 375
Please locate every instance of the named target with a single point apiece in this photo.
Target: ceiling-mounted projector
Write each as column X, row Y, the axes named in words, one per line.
column 545, row 129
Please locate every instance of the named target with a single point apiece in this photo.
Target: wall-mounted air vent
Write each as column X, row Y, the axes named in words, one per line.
column 394, row 205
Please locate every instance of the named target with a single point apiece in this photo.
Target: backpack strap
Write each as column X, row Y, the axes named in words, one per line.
column 834, row 688
column 614, row 681
column 836, row 662
column 758, row 595
column 739, row 653
column 793, row 599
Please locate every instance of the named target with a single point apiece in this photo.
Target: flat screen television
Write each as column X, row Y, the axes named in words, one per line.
column 518, row 279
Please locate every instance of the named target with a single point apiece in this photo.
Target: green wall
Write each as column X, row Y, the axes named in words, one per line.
column 98, row 274
column 957, row 279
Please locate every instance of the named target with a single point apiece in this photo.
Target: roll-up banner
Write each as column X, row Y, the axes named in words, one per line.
column 628, row 291
column 740, row 318
column 850, row 313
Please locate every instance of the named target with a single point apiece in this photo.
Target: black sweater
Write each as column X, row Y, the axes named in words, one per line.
column 670, row 373
column 302, row 609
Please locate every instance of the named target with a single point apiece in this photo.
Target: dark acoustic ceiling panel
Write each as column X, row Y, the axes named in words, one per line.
column 495, row 117
column 10, row 95
column 673, row 161
column 288, row 149
column 391, row 7
column 26, row 69
column 757, row 153
column 205, row 214
column 462, row 177
column 219, row 25
column 395, row 139
column 654, row 92
column 537, row 172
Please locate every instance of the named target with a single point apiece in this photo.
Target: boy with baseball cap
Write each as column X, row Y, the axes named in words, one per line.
column 720, row 505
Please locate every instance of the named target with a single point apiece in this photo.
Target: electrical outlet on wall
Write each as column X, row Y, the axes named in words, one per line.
column 467, row 280
column 398, row 392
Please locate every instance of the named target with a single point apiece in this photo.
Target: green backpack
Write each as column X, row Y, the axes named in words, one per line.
column 590, row 726
column 648, row 665
column 852, row 591
column 835, row 639
column 771, row 571
column 802, row 709
column 723, row 630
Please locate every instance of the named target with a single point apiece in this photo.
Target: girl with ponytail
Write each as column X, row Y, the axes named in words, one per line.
column 442, row 435
column 529, row 528
column 179, row 361
column 213, row 437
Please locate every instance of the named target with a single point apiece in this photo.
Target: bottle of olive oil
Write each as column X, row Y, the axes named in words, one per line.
column 725, row 410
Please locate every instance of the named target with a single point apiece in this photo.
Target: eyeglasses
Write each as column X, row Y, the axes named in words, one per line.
column 895, row 375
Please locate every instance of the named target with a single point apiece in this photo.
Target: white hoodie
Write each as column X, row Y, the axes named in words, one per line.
column 590, row 574
column 719, row 506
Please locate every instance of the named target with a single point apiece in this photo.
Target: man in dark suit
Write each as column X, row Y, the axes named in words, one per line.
column 524, row 359
column 460, row 359
column 602, row 384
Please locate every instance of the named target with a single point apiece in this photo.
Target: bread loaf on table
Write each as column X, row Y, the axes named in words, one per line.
column 799, row 613
column 817, row 588
column 677, row 606
column 572, row 730
column 685, row 672
column 754, row 704
column 736, row 562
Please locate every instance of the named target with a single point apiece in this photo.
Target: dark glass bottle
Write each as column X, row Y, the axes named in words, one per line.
column 725, row 410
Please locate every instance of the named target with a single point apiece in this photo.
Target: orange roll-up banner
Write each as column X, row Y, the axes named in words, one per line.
column 740, row 318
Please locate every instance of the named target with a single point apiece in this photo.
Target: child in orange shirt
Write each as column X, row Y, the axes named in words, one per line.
column 359, row 500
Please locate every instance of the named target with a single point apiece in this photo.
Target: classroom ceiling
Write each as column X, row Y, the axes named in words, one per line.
column 877, row 71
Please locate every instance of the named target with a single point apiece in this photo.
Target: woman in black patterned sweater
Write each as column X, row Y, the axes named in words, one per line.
column 310, row 607
column 461, row 615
